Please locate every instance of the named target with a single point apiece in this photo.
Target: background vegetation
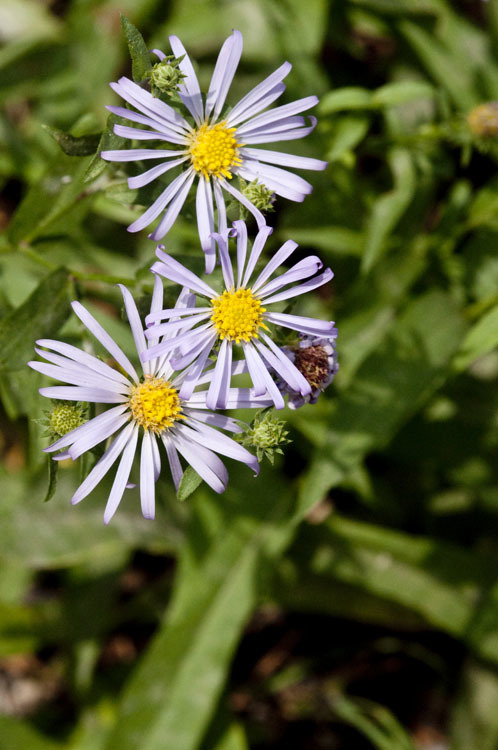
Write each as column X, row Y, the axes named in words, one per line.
column 348, row 599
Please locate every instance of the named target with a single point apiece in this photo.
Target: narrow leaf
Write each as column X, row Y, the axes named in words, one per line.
column 190, row 481
column 140, row 60
column 83, row 145
column 43, row 313
column 52, row 478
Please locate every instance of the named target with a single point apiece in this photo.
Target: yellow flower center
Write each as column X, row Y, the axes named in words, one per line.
column 214, row 150
column 238, row 315
column 155, row 404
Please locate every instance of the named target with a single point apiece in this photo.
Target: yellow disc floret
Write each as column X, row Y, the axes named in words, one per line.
column 155, row 404
column 214, row 150
column 238, row 315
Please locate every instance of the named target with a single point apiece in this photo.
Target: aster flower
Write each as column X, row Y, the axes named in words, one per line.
column 238, row 315
column 214, row 146
column 315, row 358
column 150, row 407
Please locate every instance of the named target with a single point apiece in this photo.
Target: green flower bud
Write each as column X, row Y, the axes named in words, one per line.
column 166, row 76
column 65, row 417
column 266, row 435
column 259, row 195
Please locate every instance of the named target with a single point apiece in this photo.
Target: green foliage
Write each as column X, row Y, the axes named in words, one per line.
column 204, row 630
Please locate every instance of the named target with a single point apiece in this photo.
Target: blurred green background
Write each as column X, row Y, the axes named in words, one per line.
column 348, row 598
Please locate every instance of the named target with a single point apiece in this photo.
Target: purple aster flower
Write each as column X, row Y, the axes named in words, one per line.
column 214, row 147
column 185, row 426
column 316, row 358
column 238, row 315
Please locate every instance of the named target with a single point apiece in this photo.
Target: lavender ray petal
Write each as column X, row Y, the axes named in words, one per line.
column 161, row 55
column 138, row 154
column 173, row 460
column 254, row 365
column 241, row 230
column 313, row 326
column 256, row 250
column 284, row 160
column 279, row 113
column 260, row 372
column 171, row 312
column 189, row 89
column 224, row 71
column 193, row 281
column 136, row 134
column 257, row 106
column 308, row 286
column 88, row 360
column 174, row 209
column 301, row 270
column 97, row 435
column 135, row 324
column 80, row 369
column 205, row 221
column 121, row 478
column 96, row 423
column 220, row 207
column 260, row 219
column 142, row 119
column 195, row 370
column 280, row 257
column 107, row 342
column 173, row 326
column 150, row 105
column 258, row 92
column 156, row 458
column 226, row 263
column 217, row 420
column 204, row 462
column 273, row 135
column 220, row 443
column 218, row 388
column 150, row 175
column 160, row 203
column 69, row 393
column 147, row 489
column 104, row 464
column 74, row 377
column 284, row 367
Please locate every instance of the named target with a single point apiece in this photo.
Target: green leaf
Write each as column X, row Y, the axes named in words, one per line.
column 351, row 97
column 83, row 145
column 60, row 191
column 401, row 92
column 52, row 478
column 347, row 133
column 387, row 389
column 109, row 141
column 474, row 719
column 220, row 568
column 450, row 70
column 481, row 339
column 42, row 315
column 438, row 581
column 190, row 481
column 196, row 643
column 140, row 60
column 374, row 721
column 389, row 208
column 17, row 734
